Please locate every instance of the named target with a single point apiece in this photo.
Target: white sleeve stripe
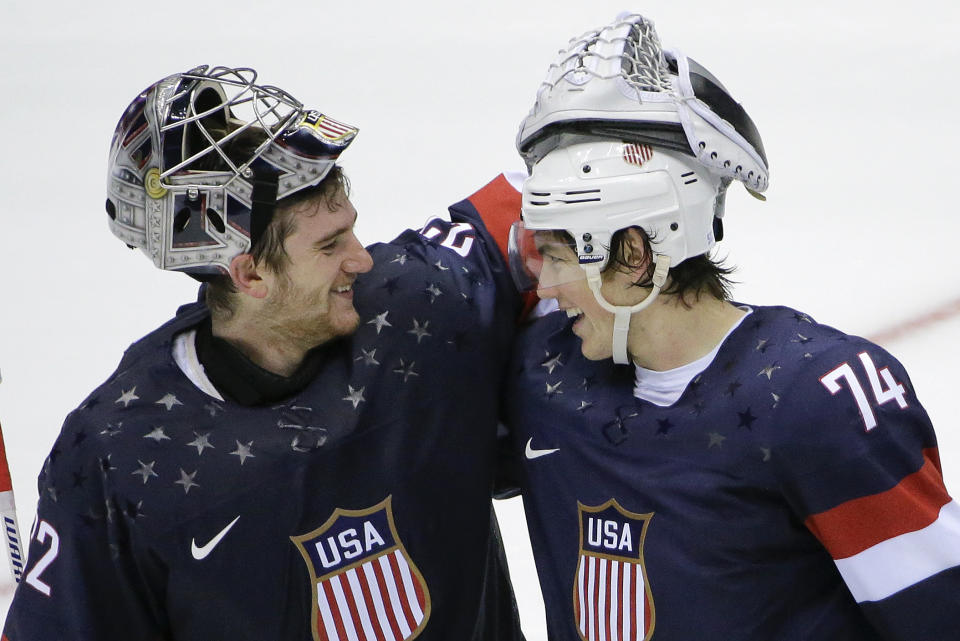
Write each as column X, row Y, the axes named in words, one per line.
column 895, row 564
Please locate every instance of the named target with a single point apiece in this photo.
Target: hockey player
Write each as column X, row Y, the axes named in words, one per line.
column 694, row 467
column 308, row 451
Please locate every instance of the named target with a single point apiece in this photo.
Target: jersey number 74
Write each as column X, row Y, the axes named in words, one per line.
column 893, row 391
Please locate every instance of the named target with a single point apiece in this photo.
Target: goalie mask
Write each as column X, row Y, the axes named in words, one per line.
column 200, row 159
column 619, row 82
column 625, row 134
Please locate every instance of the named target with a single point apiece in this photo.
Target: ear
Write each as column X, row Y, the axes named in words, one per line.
column 246, row 277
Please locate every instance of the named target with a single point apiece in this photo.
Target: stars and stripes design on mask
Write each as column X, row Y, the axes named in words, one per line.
column 365, row 585
column 612, row 599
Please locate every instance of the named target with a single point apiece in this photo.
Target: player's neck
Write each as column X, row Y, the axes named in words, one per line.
column 670, row 334
column 273, row 348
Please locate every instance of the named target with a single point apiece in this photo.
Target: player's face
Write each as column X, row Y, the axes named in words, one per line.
column 562, row 278
column 312, row 298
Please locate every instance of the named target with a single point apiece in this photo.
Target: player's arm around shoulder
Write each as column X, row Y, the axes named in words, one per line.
column 857, row 458
column 460, row 258
column 81, row 580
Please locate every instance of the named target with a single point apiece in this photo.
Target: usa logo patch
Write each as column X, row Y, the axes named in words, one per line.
column 636, row 154
column 365, row 586
column 612, row 600
column 328, row 128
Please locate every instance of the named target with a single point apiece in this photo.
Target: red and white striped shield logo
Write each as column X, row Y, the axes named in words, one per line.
column 637, row 154
column 611, row 595
column 327, row 127
column 365, row 586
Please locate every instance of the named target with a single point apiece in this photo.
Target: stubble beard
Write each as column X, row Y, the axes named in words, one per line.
column 308, row 319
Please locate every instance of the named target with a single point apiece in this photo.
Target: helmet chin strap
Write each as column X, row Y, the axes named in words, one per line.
column 621, row 313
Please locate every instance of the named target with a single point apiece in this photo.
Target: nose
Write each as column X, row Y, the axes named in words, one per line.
column 359, row 261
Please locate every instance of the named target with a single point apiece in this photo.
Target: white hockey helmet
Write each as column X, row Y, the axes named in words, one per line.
column 175, row 189
column 592, row 189
column 625, row 134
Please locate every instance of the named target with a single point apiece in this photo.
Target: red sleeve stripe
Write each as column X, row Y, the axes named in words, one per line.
column 912, row 504
column 6, row 485
column 498, row 204
column 903, row 561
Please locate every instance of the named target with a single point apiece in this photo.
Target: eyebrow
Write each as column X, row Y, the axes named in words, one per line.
column 336, row 232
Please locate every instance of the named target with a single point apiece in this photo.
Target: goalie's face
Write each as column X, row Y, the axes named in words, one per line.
column 311, row 298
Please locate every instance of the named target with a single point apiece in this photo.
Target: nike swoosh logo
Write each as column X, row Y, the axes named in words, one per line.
column 200, row 552
column 532, row 453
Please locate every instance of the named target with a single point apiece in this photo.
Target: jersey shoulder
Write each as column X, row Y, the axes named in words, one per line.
column 822, row 375
column 456, row 263
column 119, row 418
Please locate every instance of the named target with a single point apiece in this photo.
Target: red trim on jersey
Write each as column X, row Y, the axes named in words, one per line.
column 910, row 505
column 6, row 485
column 498, row 204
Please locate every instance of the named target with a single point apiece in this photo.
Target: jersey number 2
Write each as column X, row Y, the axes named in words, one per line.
column 44, row 531
column 894, row 391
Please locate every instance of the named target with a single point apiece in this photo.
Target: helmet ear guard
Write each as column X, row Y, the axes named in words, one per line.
column 200, row 159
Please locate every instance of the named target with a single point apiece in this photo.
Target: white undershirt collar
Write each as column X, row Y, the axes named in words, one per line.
column 665, row 388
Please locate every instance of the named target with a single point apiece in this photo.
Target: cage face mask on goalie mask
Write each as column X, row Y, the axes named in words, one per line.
column 200, row 159
column 619, row 82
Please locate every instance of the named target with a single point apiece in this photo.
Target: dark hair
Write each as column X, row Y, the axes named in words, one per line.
column 268, row 249
column 696, row 276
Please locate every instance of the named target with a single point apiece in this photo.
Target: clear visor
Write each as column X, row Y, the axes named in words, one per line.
column 542, row 258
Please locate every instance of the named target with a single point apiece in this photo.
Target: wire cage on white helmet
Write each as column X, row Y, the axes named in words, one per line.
column 200, row 159
column 618, row 82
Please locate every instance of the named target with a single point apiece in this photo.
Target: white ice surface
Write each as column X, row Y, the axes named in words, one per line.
column 856, row 101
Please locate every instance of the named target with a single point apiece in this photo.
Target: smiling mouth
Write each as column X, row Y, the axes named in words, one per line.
column 573, row 312
column 344, row 289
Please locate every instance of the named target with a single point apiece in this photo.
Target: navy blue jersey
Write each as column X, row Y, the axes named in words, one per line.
column 792, row 492
column 358, row 509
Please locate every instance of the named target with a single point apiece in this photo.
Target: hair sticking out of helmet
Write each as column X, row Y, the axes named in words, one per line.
column 200, row 159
